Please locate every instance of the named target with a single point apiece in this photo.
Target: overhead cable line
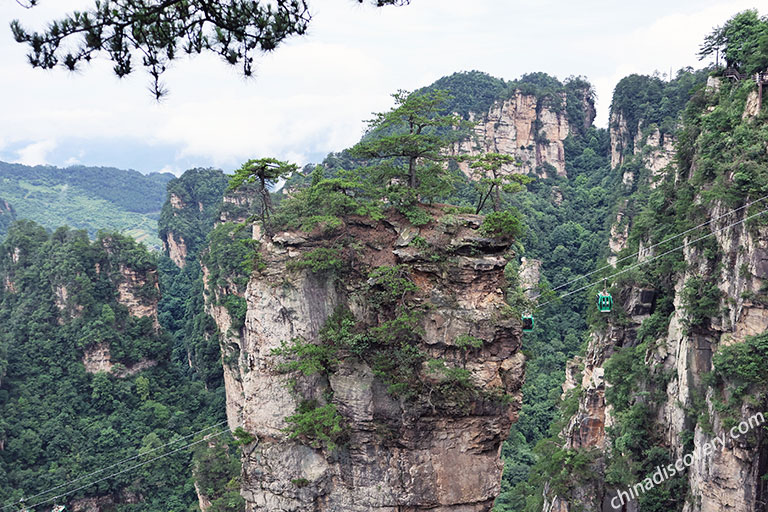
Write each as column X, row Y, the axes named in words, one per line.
column 746, row 205
column 136, row 466
column 78, row 479
column 631, row 267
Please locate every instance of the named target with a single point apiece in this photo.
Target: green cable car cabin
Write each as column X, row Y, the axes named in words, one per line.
column 604, row 302
column 527, row 320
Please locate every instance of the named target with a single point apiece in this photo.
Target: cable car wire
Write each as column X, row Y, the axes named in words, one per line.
column 746, row 205
column 136, row 466
column 78, row 479
column 631, row 267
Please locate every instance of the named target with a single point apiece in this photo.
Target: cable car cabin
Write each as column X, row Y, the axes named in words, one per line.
column 604, row 302
column 527, row 323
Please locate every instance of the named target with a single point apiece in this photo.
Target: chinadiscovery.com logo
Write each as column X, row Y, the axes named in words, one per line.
column 663, row 474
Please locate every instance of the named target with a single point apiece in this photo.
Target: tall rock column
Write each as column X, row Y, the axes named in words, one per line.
column 378, row 368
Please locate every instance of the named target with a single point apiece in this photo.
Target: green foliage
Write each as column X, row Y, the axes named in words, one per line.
column 489, row 181
column 565, row 469
column 155, row 34
column 237, row 307
column 324, row 201
column 318, row 426
column 742, row 41
column 721, row 149
column 569, row 239
column 59, row 421
column 636, row 450
column 341, row 331
column 265, row 173
column 389, row 285
column 701, row 300
column 416, row 215
column 243, row 437
column 505, row 224
column 455, row 386
column 467, row 341
column 216, row 468
column 742, row 365
column 182, row 304
column 471, row 91
column 306, row 357
column 624, row 370
column 90, row 198
column 232, row 255
column 199, row 193
column 7, row 217
column 406, row 148
column 654, row 101
column 319, row 260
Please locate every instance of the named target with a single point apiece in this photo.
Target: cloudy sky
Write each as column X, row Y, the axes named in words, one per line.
column 311, row 95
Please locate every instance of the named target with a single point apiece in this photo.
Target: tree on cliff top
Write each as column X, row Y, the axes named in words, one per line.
column 489, row 180
column 743, row 42
column 266, row 173
column 407, row 147
column 156, row 31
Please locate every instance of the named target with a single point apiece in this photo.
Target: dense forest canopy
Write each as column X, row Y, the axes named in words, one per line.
column 59, row 422
column 742, row 42
column 90, row 198
column 182, row 306
column 7, row 216
column 652, row 100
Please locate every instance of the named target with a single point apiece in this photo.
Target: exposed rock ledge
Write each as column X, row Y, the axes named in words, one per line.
column 97, row 358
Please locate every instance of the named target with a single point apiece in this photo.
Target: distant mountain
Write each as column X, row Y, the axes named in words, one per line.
column 90, row 198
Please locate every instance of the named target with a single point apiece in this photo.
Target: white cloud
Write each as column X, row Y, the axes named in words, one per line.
column 312, row 94
column 668, row 43
column 36, row 153
column 172, row 169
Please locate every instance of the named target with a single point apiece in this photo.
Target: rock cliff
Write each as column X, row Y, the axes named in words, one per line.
column 664, row 377
column 530, row 128
column 420, row 377
column 189, row 212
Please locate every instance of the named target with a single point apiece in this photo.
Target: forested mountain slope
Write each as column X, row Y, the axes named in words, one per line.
column 666, row 409
column 90, row 198
column 143, row 347
column 87, row 378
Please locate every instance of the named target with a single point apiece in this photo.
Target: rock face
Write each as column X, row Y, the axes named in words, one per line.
column 685, row 411
column 176, row 248
column 656, row 149
column 653, row 151
column 189, row 212
column 174, row 244
column 139, row 291
column 585, row 375
column 97, row 358
column 723, row 479
column 425, row 451
column 527, row 128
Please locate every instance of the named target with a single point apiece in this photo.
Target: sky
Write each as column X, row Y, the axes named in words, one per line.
column 313, row 94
